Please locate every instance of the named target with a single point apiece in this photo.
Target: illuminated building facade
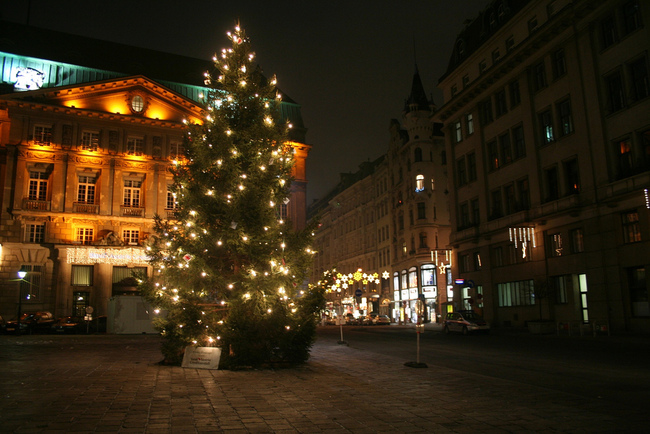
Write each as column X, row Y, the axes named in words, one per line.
column 85, row 150
column 391, row 220
column 548, row 142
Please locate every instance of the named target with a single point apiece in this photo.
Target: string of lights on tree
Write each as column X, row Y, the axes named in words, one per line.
column 228, row 246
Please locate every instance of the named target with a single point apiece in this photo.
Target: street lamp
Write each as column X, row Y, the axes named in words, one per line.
column 21, row 279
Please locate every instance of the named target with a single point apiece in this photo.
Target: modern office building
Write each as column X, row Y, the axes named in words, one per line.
column 547, row 122
column 88, row 132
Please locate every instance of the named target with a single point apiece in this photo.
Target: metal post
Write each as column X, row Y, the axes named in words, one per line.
column 21, row 277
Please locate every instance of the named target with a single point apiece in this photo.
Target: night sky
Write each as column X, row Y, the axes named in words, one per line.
column 349, row 64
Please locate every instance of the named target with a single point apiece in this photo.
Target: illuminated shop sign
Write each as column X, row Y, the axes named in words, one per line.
column 129, row 256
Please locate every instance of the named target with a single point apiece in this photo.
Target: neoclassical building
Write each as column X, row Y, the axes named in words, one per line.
column 546, row 118
column 88, row 131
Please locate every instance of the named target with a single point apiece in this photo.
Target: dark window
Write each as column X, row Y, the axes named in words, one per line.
column 639, row 78
column 624, row 154
column 539, row 76
column 417, row 155
column 608, row 31
column 565, row 118
column 523, row 189
column 615, row 94
column 493, row 155
column 461, row 171
column 559, row 64
column 422, row 212
column 497, row 256
column 510, row 43
column 577, row 240
column 546, row 127
column 515, row 95
column 572, row 176
column 552, row 187
column 471, row 167
column 500, row 103
column 519, row 144
column 555, row 245
column 465, row 81
column 495, row 56
column 631, row 228
column 532, row 25
column 482, row 66
column 463, row 214
column 497, row 207
column 485, row 111
column 510, row 201
column 506, row 148
column 475, row 210
column 631, row 16
column 638, row 286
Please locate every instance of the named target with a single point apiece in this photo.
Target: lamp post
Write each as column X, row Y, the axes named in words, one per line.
column 21, row 279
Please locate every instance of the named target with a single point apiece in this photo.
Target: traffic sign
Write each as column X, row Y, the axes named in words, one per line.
column 358, row 293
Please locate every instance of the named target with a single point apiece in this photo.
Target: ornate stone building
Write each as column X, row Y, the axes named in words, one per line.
column 85, row 148
column 391, row 221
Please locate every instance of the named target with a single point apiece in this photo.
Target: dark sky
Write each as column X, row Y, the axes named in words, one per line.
column 349, row 64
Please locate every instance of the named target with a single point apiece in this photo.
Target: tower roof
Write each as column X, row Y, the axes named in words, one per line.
column 417, row 100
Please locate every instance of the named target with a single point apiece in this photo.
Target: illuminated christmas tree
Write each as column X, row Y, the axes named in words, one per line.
column 227, row 270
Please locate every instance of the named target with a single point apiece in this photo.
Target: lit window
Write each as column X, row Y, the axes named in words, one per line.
column 131, row 236
column 137, row 104
column 82, row 275
column 86, row 190
column 419, row 183
column 171, row 201
column 38, row 182
column 546, row 127
column 85, row 235
column 36, row 233
column 132, row 189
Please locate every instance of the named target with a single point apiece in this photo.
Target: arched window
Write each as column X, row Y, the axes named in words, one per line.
column 419, row 183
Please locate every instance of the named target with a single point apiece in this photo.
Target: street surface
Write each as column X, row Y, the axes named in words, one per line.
column 498, row 383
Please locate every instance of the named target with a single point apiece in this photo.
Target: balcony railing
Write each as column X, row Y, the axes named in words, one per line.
column 85, row 208
column 129, row 211
column 36, row 205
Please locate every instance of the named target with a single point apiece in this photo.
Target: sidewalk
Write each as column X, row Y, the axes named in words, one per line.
column 109, row 383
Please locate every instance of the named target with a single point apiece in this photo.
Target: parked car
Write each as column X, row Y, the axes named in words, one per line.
column 31, row 322
column 350, row 319
column 371, row 318
column 465, row 321
column 2, row 324
column 382, row 320
column 70, row 324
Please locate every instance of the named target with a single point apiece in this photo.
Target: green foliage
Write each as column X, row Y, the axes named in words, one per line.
column 227, row 270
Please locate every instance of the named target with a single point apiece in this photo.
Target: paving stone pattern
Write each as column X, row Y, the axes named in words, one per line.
column 103, row 383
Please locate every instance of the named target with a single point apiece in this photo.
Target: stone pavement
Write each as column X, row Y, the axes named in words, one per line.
column 109, row 383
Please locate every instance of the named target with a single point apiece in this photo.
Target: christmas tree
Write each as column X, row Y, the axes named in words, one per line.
column 227, row 269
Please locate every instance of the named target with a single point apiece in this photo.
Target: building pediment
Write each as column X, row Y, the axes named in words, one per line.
column 135, row 96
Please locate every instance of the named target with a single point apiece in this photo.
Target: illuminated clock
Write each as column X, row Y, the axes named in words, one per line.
column 28, row 79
